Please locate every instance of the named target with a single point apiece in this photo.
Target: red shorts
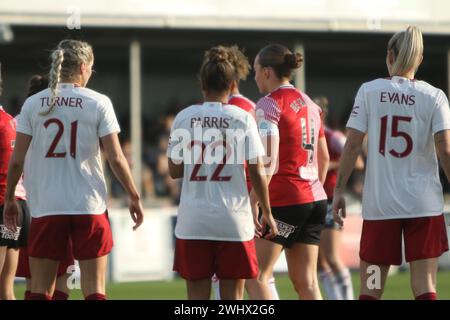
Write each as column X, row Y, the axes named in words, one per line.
column 90, row 235
column 23, row 267
column 229, row 260
column 381, row 240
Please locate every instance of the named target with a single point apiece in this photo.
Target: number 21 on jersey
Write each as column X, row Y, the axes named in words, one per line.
column 73, row 138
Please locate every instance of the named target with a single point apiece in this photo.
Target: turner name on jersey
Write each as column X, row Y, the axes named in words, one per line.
column 63, row 170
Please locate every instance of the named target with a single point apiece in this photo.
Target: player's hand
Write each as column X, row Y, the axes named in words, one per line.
column 254, row 204
column 11, row 215
column 269, row 220
column 136, row 212
column 338, row 207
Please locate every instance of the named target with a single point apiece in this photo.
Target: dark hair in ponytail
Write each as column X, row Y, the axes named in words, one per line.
column 280, row 59
column 36, row 84
column 217, row 72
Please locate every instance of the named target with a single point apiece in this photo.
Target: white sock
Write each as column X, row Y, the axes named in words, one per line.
column 331, row 287
column 344, row 281
column 216, row 287
column 273, row 289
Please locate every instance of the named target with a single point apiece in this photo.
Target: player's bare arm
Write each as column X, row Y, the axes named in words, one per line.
column 271, row 145
column 176, row 170
column 119, row 166
column 442, row 143
column 260, row 187
column 351, row 152
column 323, row 159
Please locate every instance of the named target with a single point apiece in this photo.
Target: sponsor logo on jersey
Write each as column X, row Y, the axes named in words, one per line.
column 297, row 105
column 284, row 229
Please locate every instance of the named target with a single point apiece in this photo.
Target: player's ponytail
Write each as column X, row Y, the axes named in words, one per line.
column 66, row 60
column 407, row 47
column 217, row 73
column 54, row 77
column 280, row 59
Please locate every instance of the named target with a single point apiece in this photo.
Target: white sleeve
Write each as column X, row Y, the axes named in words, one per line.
column 176, row 142
column 253, row 145
column 441, row 114
column 107, row 118
column 359, row 116
column 24, row 119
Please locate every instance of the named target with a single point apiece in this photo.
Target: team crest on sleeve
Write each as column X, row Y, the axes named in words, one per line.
column 263, row 125
column 355, row 111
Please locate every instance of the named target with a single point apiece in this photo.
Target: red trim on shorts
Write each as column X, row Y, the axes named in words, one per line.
column 90, row 235
column 229, row 260
column 424, row 237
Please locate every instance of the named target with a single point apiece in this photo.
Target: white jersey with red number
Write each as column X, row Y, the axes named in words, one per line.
column 214, row 201
column 63, row 172
column 297, row 121
column 401, row 117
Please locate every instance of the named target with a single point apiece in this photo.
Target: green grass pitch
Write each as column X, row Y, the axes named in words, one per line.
column 397, row 288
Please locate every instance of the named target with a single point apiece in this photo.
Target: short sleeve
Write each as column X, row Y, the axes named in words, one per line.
column 441, row 114
column 358, row 117
column 253, row 145
column 24, row 119
column 175, row 146
column 268, row 109
column 107, row 118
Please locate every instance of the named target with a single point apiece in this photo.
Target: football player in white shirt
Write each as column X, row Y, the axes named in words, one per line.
column 407, row 122
column 62, row 128
column 215, row 228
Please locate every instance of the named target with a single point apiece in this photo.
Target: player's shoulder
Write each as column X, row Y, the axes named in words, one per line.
column 284, row 91
column 35, row 98
column 305, row 100
column 375, row 84
column 187, row 112
column 241, row 101
column 93, row 95
column 234, row 110
column 238, row 115
column 5, row 117
column 427, row 89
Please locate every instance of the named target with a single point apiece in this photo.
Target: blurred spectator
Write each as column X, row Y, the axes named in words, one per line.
column 334, row 122
column 156, row 158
